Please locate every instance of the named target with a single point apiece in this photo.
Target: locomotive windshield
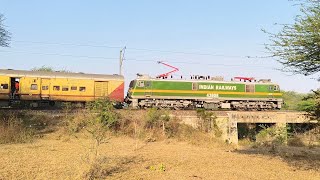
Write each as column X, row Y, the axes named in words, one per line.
column 132, row 83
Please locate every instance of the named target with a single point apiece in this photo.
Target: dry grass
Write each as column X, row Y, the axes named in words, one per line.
column 130, row 154
column 54, row 159
column 13, row 131
column 25, row 126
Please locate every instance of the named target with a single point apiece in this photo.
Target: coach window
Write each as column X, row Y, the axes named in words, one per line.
column 74, row 88
column 82, row 89
column 34, row 87
column 45, row 88
column 4, row 86
column 65, row 88
column 56, row 88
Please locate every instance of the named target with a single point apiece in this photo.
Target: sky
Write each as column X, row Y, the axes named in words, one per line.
column 203, row 37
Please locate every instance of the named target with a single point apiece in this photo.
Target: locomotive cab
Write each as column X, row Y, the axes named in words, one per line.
column 129, row 93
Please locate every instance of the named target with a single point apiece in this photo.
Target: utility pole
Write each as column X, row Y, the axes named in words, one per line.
column 122, row 51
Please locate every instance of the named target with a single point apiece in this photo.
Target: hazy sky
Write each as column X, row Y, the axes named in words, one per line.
column 199, row 37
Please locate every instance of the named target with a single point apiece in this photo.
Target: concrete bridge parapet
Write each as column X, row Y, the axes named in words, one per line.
column 228, row 123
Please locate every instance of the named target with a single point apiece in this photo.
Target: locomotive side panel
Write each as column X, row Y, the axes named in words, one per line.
column 202, row 90
column 164, row 93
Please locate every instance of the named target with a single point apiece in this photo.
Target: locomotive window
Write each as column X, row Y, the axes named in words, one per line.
column 82, row 89
column 148, row 84
column 65, row 88
column 56, row 88
column 141, row 84
column 250, row 88
column 34, row 87
column 131, row 84
column 270, row 88
column 194, row 86
column 276, row 88
column 74, row 88
column 45, row 88
column 4, row 86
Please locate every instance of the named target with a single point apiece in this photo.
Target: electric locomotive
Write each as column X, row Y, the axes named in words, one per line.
column 204, row 92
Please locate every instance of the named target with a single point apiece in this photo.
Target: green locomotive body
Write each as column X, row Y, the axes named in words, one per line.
column 201, row 92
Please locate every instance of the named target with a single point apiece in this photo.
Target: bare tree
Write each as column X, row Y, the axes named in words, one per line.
column 4, row 34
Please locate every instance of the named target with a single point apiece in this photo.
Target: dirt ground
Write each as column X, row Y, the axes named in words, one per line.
column 126, row 158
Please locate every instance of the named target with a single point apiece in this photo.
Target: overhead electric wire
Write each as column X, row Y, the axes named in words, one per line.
column 197, row 63
column 137, row 60
column 69, row 44
column 190, row 53
column 63, row 55
column 128, row 48
column 137, row 49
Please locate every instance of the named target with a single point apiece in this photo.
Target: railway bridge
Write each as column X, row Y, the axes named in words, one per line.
column 228, row 120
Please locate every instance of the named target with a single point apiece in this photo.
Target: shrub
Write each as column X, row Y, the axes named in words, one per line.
column 104, row 118
column 158, row 121
column 77, row 122
column 207, row 122
column 13, row 130
column 156, row 118
column 173, row 128
column 106, row 113
column 272, row 136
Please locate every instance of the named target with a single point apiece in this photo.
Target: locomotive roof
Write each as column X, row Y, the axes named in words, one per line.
column 204, row 81
column 44, row 74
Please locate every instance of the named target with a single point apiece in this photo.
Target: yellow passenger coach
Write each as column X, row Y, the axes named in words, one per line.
column 37, row 87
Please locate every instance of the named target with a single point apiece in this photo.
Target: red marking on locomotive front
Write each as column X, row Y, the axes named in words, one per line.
column 118, row 94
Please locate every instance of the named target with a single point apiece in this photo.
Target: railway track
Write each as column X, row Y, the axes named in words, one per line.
column 75, row 110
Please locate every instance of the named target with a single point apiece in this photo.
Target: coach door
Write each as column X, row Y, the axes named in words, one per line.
column 45, row 88
column 148, row 88
column 100, row 89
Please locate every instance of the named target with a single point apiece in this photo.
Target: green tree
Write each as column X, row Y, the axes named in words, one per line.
column 311, row 104
column 105, row 119
column 48, row 69
column 4, row 34
column 43, row 68
column 292, row 100
column 297, row 46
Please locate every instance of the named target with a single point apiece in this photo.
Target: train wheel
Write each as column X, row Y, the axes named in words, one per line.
column 52, row 103
column 176, row 108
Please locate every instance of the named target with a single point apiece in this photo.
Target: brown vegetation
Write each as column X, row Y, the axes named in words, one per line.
column 137, row 145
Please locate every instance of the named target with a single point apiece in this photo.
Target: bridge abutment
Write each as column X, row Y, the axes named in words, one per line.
column 228, row 124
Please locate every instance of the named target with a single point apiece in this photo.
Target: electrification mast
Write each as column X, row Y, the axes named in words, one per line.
column 122, row 51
